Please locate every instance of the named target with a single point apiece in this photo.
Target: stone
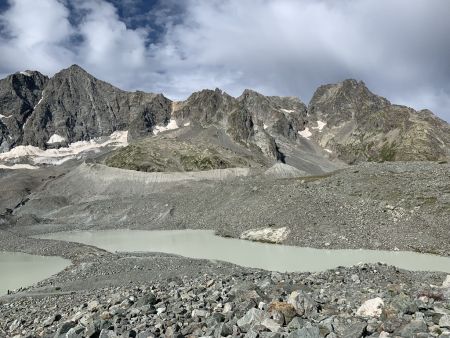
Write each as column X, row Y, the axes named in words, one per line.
column 444, row 321
column 147, row 299
column 404, row 304
column 227, row 307
column 302, row 303
column 296, row 323
column 200, row 313
column 269, row 335
column 93, row 305
column 64, row 329
column 355, row 330
column 252, row 320
column 75, row 332
column 414, row 327
column 49, row 321
column 107, row 334
column 271, row 325
column 287, row 310
column 15, row 325
column 251, row 334
column 446, row 282
column 371, row 308
column 267, row 235
column 305, row 332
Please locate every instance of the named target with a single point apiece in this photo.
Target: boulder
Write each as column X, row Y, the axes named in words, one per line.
column 252, row 320
column 303, row 304
column 371, row 308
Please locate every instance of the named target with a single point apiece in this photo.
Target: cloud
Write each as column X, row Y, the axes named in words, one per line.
column 34, row 36
column 280, row 47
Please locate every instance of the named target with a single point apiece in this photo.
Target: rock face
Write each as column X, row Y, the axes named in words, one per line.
column 19, row 94
column 252, row 120
column 72, row 106
column 349, row 120
column 76, row 106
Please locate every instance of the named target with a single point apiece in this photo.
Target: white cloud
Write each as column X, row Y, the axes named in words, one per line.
column 280, row 47
column 36, row 33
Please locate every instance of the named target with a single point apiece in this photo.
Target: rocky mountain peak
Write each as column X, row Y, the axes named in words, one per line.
column 206, row 107
column 363, row 126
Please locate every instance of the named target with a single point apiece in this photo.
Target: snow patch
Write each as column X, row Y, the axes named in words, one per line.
column 18, row 166
column 61, row 155
column 305, row 133
column 37, row 104
column 269, row 235
column 5, row 117
column 371, row 308
column 265, row 126
column 320, row 125
column 328, row 150
column 55, row 138
column 170, row 126
column 187, row 124
column 25, row 73
column 288, row 110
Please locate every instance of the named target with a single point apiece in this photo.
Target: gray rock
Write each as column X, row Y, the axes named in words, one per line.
column 64, row 329
column 271, row 325
column 355, row 330
column 107, row 334
column 413, row 328
column 444, row 321
column 296, row 323
column 404, row 304
column 200, row 313
column 251, row 334
column 303, row 303
column 305, row 332
column 75, row 332
column 252, row 320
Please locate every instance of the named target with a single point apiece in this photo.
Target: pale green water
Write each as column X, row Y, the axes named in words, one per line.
column 204, row 244
column 20, row 270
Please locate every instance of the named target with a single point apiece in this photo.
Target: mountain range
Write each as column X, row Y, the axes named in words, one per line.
column 344, row 123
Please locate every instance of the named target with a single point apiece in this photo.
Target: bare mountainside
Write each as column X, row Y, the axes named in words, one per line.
column 344, row 123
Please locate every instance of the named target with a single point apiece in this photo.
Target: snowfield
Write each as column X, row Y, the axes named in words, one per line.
column 55, row 138
column 320, row 125
column 170, row 126
column 305, row 133
column 58, row 156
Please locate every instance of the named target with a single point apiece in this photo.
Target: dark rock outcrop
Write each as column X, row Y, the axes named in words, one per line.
column 19, row 94
column 77, row 106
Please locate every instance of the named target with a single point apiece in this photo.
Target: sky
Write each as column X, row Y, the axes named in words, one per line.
column 399, row 48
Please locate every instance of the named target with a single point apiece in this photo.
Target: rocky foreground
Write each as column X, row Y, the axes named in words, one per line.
column 217, row 299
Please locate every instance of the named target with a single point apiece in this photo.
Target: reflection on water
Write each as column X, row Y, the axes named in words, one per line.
column 204, row 244
column 20, row 270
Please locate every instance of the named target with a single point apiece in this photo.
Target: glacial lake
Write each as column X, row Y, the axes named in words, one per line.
column 21, row 270
column 204, row 244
